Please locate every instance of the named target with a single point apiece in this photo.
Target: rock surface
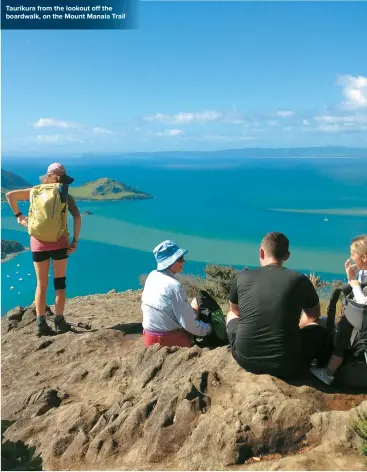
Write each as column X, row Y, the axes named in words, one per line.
column 100, row 400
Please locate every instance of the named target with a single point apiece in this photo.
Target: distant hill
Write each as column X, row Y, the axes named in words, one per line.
column 10, row 181
column 245, row 153
column 106, row 189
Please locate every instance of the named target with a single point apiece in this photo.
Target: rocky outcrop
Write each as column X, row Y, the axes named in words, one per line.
column 99, row 400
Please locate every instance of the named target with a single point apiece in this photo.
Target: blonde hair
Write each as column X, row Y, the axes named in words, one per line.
column 52, row 179
column 359, row 245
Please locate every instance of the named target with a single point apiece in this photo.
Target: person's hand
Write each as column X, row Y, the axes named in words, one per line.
column 72, row 247
column 23, row 220
column 195, row 307
column 351, row 270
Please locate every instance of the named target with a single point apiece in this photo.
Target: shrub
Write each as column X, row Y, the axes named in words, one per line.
column 142, row 279
column 316, row 280
column 219, row 279
column 17, row 455
column 360, row 428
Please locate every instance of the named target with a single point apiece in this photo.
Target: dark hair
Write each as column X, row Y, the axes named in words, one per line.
column 276, row 245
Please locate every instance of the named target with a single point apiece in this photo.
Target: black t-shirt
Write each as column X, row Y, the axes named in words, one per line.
column 271, row 299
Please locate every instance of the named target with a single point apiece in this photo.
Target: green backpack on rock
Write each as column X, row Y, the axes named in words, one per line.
column 211, row 312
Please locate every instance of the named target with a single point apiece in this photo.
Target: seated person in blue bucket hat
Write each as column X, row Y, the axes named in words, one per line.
column 168, row 317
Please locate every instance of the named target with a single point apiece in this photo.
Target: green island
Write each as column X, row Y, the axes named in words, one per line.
column 10, row 248
column 101, row 189
column 10, row 181
column 106, row 189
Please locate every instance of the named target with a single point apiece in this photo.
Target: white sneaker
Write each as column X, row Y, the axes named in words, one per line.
column 321, row 374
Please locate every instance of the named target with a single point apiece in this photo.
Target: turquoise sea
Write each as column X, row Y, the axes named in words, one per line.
column 218, row 209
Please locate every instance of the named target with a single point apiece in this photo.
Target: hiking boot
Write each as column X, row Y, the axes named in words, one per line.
column 43, row 329
column 322, row 375
column 61, row 326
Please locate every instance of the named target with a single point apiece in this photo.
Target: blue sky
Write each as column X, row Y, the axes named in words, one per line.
column 193, row 76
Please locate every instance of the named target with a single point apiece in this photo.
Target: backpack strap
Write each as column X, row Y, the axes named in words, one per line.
column 354, row 313
column 64, row 192
column 346, row 289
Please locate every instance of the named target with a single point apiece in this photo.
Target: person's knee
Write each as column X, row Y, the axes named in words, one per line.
column 42, row 286
column 60, row 283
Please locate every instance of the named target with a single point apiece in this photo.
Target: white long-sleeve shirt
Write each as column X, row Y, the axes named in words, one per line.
column 358, row 294
column 166, row 308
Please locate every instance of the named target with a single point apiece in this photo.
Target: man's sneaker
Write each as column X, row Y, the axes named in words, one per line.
column 321, row 374
column 61, row 326
column 43, row 329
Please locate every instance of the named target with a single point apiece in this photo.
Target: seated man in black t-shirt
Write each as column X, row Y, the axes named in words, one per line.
column 268, row 307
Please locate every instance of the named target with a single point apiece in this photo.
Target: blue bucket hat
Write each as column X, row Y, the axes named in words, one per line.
column 167, row 253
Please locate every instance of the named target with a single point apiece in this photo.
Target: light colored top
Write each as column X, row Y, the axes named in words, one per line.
column 359, row 296
column 166, row 308
column 62, row 243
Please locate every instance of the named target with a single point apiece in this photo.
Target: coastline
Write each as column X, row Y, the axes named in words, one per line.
column 11, row 256
column 129, row 197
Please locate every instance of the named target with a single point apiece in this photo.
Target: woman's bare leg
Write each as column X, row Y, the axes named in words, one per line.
column 41, row 269
column 59, row 267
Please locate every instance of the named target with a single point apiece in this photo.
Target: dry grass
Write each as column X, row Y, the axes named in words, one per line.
column 324, row 304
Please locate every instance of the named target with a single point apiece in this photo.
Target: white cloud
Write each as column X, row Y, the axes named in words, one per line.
column 186, row 118
column 56, row 138
column 273, row 123
column 52, row 123
column 285, row 113
column 49, row 138
column 337, row 123
column 170, row 132
column 98, row 130
column 354, row 90
column 341, row 119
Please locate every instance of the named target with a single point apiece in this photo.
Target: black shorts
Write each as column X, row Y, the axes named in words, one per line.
column 313, row 344
column 56, row 255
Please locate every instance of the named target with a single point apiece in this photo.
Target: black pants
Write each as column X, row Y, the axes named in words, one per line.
column 342, row 337
column 314, row 343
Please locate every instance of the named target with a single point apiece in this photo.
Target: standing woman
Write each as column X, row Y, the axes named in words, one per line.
column 47, row 226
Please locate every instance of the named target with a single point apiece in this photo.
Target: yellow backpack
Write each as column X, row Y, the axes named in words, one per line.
column 47, row 218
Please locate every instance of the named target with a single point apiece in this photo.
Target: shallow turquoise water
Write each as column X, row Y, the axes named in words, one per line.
column 218, row 210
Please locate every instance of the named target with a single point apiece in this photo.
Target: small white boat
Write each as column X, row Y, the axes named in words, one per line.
column 18, row 293
column 11, row 288
column 17, row 272
column 8, row 276
column 326, row 219
column 29, row 274
column 20, row 279
column 18, row 265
